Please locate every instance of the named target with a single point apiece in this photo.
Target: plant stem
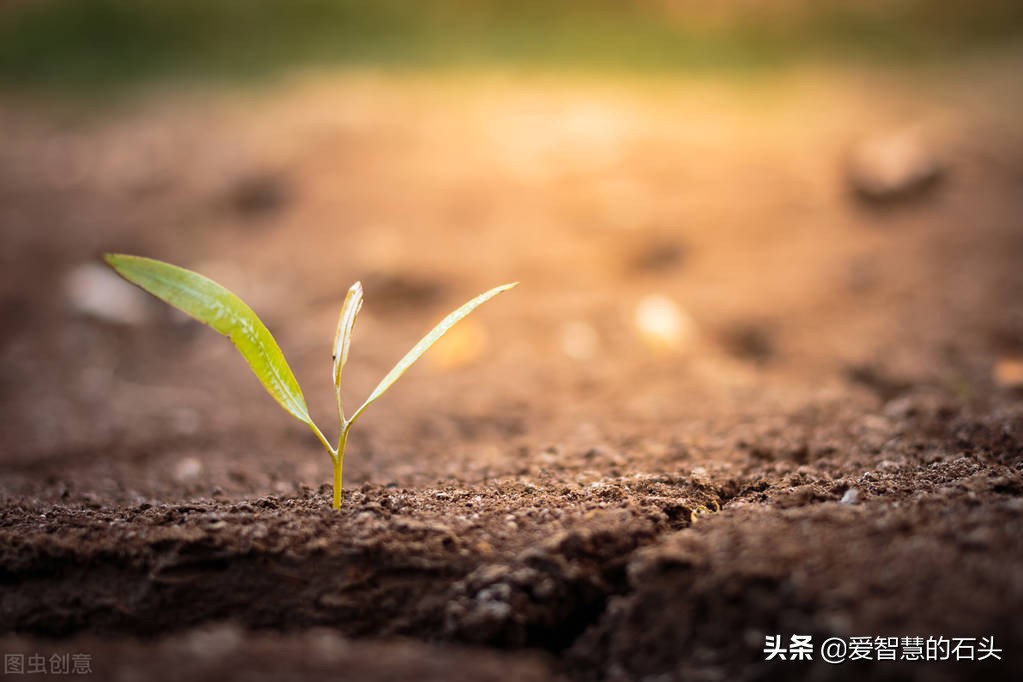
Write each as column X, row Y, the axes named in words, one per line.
column 337, row 483
column 339, row 460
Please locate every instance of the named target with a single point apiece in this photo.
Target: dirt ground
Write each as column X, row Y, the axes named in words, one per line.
column 817, row 431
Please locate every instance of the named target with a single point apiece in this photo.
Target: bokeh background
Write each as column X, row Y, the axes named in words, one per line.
column 763, row 373
column 86, row 44
column 717, row 213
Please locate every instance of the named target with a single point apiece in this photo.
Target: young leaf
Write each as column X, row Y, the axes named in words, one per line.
column 209, row 302
column 345, row 323
column 427, row 341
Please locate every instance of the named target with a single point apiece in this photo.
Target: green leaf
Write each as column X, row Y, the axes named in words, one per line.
column 427, row 341
column 209, row 302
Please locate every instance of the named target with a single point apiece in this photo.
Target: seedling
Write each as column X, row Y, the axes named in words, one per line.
column 213, row 304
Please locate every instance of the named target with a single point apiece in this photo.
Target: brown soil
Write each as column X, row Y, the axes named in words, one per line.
column 833, row 447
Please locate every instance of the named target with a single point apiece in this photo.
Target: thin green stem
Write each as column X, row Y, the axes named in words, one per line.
column 339, row 460
column 337, row 483
column 339, row 454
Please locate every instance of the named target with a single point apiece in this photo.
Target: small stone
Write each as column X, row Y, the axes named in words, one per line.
column 662, row 323
column 213, row 642
column 188, row 469
column 95, row 291
column 851, row 496
column 892, row 167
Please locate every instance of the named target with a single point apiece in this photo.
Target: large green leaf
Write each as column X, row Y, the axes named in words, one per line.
column 209, row 302
column 427, row 341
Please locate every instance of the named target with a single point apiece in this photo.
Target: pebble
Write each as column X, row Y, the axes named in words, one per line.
column 188, row 469
column 892, row 167
column 851, row 496
column 95, row 291
column 662, row 323
column 213, row 642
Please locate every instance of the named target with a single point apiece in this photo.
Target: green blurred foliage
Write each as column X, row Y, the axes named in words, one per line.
column 92, row 43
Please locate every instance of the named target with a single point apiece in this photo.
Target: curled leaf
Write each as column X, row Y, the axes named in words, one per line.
column 345, row 323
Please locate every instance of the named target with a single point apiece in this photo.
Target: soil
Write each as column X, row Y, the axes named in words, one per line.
column 827, row 441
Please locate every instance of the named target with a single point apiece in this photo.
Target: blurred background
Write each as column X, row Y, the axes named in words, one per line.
column 87, row 44
column 722, row 217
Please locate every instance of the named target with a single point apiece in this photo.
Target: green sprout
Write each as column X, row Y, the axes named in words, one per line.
column 213, row 304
